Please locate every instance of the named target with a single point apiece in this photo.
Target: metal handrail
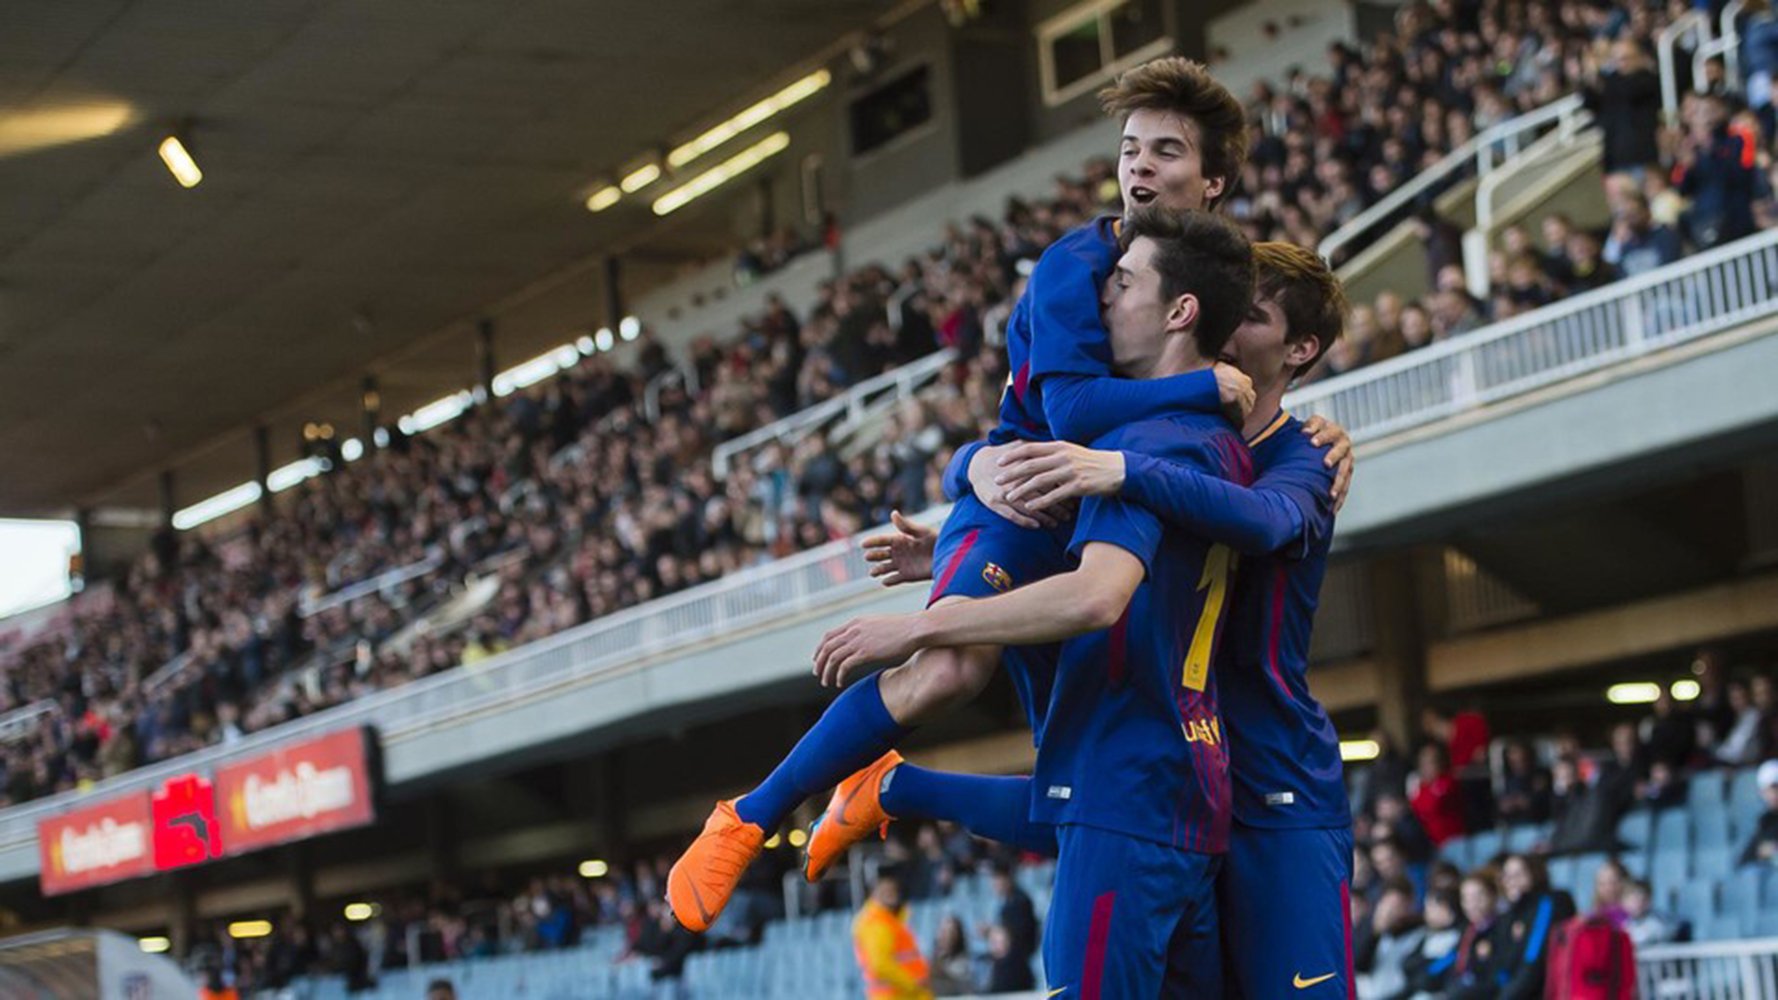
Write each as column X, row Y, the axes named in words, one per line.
column 1479, row 148
column 1697, row 25
column 906, row 379
column 1478, row 238
column 382, row 581
column 25, row 717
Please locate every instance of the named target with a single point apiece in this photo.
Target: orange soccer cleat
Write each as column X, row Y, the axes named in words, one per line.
column 705, row 876
column 854, row 813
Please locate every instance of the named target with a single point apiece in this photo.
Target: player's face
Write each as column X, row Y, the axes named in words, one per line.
column 1160, row 162
column 1137, row 318
column 1259, row 346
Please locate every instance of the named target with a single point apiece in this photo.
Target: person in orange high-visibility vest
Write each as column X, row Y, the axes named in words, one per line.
column 888, row 955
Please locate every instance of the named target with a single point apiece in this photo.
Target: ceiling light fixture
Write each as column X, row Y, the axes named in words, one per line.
column 641, row 177
column 790, row 96
column 603, row 198
column 721, row 174
column 179, row 162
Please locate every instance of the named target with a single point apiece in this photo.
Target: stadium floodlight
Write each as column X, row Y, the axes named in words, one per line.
column 773, row 841
column 250, row 929
column 1359, row 750
column 602, row 340
column 154, row 945
column 798, row 837
column 585, row 344
column 352, row 449
column 630, row 328
column 1685, row 690
column 783, row 100
column 226, row 502
column 722, row 173
column 594, row 869
column 359, row 912
column 180, row 163
column 603, row 198
column 640, row 178
column 536, row 370
column 434, row 413
column 1634, row 693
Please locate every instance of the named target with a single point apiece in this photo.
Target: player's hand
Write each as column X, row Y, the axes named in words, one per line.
column 873, row 640
column 1235, row 390
column 1324, row 433
column 903, row 555
column 984, row 468
column 1046, row 476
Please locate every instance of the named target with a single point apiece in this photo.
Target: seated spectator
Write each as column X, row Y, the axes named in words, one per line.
column 1396, row 820
column 1739, row 745
column 1636, row 245
column 1395, row 936
column 1388, row 773
column 1437, row 802
column 1008, row 971
column 1586, row 267
column 1427, row 970
column 1016, row 916
column 1391, row 865
column 1478, row 972
column 1665, row 787
column 1609, row 883
column 1586, row 815
column 1762, row 847
column 1641, row 922
column 1524, row 795
column 953, row 967
column 1670, row 735
column 1533, row 911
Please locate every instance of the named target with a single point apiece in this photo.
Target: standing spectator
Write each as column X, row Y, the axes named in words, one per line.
column 1739, row 744
column 1016, row 914
column 1762, row 847
column 1533, row 911
column 1717, row 169
column 888, row 956
column 1636, row 245
column 1465, row 735
column 1007, row 973
column 1623, row 90
column 1670, row 735
column 1388, row 773
column 1438, row 803
column 953, row 967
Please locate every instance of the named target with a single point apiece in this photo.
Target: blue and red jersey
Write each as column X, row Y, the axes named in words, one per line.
column 1132, row 741
column 1285, row 752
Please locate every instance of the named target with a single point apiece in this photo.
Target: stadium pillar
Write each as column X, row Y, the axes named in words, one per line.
column 262, row 463
column 1406, row 600
column 370, row 401
column 182, row 926
column 167, row 501
column 484, row 356
column 302, row 882
column 614, row 295
column 441, row 840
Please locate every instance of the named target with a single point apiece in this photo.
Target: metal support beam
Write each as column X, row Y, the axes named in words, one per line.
column 262, row 463
column 484, row 356
column 370, row 401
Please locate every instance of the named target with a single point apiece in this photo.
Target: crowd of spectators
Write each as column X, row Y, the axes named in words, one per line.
column 1423, row 926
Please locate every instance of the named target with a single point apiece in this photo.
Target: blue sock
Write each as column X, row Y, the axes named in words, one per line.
column 854, row 731
column 997, row 808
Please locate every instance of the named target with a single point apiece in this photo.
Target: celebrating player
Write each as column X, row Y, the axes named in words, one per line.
column 1183, row 143
column 1283, row 888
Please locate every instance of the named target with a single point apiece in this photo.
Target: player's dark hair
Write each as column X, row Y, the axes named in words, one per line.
column 1307, row 293
column 1185, row 87
column 1201, row 255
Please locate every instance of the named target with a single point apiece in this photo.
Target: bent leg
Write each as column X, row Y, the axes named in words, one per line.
column 998, row 808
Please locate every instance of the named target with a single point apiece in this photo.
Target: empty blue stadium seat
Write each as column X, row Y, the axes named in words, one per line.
column 1636, row 829
column 1522, row 837
column 1458, row 851
column 1673, row 831
column 1712, row 861
column 1695, row 901
column 1483, row 845
column 1668, row 871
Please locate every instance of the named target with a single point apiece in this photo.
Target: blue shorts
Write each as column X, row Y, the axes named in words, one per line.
column 1285, row 897
column 980, row 554
column 1131, row 918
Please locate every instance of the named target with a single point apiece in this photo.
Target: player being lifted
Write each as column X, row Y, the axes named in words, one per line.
column 1284, row 884
column 1183, row 143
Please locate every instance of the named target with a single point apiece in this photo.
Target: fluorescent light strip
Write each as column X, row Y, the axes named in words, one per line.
column 434, row 413
column 281, row 479
column 154, row 945
column 535, row 370
column 226, row 502
column 641, row 178
column 603, row 198
column 721, row 174
column 1359, row 750
column 784, row 99
column 1635, row 693
column 179, row 162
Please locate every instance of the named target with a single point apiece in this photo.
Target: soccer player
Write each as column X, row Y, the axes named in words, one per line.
column 1132, row 770
column 1283, row 888
column 1183, row 144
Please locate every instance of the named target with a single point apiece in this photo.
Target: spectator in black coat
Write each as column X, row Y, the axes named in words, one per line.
column 1534, row 911
column 1670, row 736
column 1762, row 847
column 1719, row 173
column 1480, row 968
column 1007, row 972
column 1017, row 915
column 1524, row 787
column 1624, row 92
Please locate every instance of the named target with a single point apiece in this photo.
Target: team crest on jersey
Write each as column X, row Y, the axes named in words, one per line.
column 997, row 578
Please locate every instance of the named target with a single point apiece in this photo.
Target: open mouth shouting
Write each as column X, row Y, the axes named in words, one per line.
column 1140, row 195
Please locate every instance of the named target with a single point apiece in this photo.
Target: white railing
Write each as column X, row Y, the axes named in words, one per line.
column 1487, row 148
column 382, row 582
column 852, row 404
column 1557, row 145
column 1704, row 294
column 24, row 720
column 1693, row 26
column 1725, row 970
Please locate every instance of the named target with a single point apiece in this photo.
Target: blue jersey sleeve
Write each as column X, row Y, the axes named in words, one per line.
column 1082, row 408
column 1067, row 335
column 1288, row 510
column 1126, row 523
column 956, row 484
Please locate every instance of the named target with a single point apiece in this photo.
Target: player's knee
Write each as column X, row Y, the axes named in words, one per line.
column 952, row 679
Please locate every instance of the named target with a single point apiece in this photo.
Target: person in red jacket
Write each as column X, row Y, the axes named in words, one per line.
column 1437, row 802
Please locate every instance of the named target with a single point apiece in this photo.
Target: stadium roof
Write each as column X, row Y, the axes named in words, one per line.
column 375, row 175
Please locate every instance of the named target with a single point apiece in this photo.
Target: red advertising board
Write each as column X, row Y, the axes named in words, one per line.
column 96, row 844
column 296, row 791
